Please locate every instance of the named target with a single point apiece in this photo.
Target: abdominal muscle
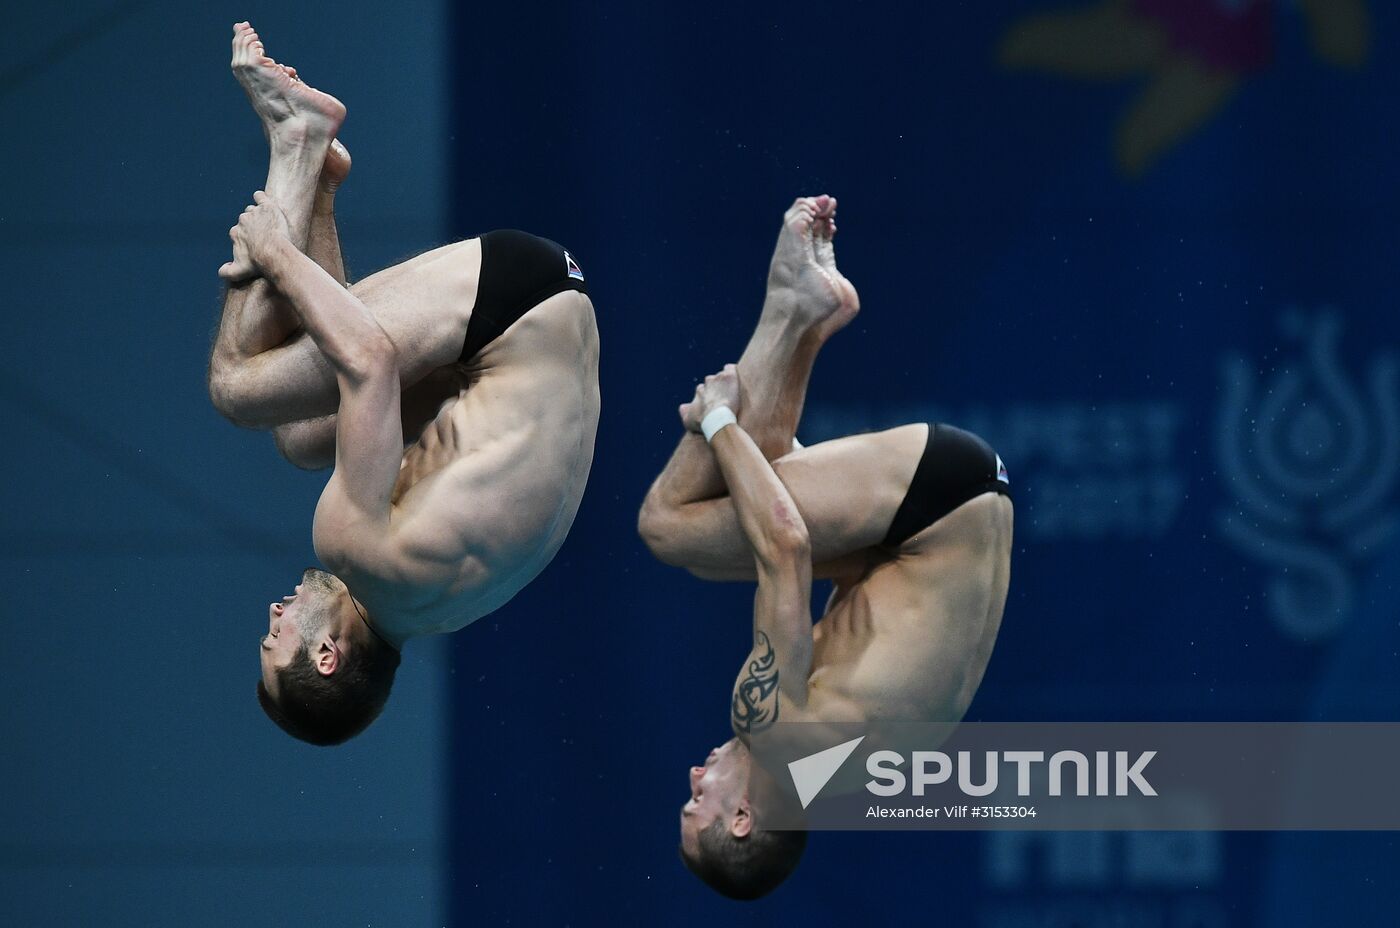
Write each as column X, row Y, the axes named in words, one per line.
column 487, row 494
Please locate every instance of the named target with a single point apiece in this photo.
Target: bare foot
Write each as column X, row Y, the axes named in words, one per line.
column 336, row 167
column 290, row 110
column 803, row 272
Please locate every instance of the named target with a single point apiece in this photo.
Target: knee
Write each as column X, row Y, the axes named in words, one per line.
column 240, row 398
column 226, row 392
column 658, row 524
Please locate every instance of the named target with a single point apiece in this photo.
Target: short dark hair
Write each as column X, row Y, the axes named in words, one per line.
column 328, row 710
column 747, row 867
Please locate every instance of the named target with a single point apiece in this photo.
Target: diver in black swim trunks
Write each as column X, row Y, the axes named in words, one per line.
column 912, row 524
column 456, row 393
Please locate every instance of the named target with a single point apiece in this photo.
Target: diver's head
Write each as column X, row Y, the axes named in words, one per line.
column 326, row 673
column 719, row 842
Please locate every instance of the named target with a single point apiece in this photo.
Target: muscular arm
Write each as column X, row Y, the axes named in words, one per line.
column 353, row 515
column 781, row 661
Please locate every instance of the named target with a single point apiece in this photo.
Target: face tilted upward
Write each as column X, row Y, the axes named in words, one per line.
column 297, row 620
column 716, row 791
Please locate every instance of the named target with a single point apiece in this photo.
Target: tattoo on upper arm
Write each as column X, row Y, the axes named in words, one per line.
column 755, row 704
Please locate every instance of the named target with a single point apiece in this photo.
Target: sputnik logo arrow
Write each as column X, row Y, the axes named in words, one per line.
column 811, row 773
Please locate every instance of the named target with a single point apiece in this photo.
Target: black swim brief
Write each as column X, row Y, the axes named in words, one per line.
column 956, row 466
column 519, row 271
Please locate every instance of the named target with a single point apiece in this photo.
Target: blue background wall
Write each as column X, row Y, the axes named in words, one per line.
column 1178, row 365
column 143, row 536
column 1088, row 321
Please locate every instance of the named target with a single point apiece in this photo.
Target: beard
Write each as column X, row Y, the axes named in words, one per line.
column 319, row 590
column 311, row 622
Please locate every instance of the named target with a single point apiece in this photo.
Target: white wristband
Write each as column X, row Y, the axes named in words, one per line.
column 715, row 420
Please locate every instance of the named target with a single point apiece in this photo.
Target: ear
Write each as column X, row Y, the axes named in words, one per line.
column 742, row 822
column 327, row 657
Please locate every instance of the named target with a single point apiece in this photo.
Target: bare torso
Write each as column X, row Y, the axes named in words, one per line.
column 908, row 638
column 488, row 492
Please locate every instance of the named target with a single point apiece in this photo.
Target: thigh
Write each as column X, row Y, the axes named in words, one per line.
column 423, row 304
column 847, row 490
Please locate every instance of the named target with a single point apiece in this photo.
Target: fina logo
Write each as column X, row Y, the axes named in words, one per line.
column 1312, row 463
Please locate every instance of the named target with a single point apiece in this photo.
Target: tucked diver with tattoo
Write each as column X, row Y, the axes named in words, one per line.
column 456, row 395
column 912, row 524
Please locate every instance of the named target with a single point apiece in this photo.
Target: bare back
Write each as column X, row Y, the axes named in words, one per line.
column 910, row 636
